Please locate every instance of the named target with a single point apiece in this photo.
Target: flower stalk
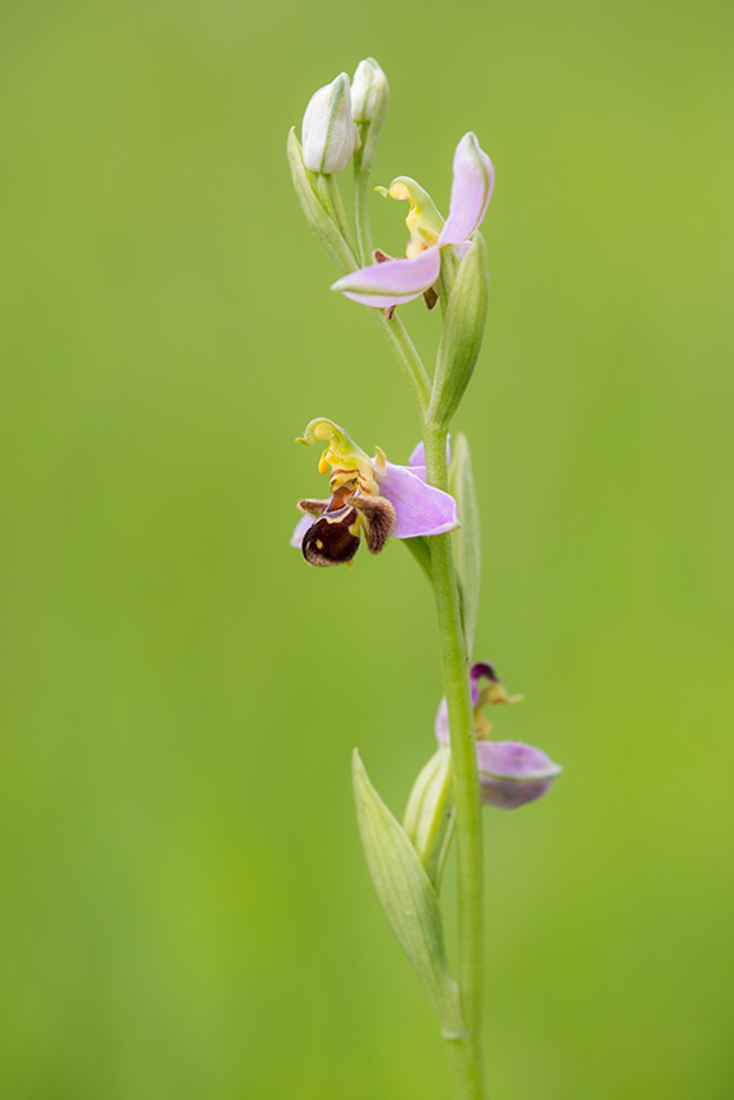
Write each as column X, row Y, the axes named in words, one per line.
column 466, row 1055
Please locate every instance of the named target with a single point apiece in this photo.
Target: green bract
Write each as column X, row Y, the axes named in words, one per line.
column 408, row 898
column 321, row 219
column 463, row 330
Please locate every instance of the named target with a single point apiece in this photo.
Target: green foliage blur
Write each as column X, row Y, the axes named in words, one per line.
column 186, row 912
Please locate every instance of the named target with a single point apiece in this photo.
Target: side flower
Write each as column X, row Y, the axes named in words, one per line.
column 389, row 282
column 370, row 497
column 510, row 772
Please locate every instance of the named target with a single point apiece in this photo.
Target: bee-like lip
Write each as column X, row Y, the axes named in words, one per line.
column 329, row 540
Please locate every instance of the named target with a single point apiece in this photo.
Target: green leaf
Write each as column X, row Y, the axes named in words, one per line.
column 408, row 898
column 462, row 334
column 466, row 538
column 429, row 815
column 317, row 217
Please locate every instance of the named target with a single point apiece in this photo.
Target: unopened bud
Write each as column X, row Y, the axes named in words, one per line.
column 429, row 817
column 369, row 91
column 511, row 773
column 328, row 134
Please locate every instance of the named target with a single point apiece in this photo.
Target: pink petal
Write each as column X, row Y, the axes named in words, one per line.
column 441, row 726
column 300, row 530
column 418, row 455
column 511, row 773
column 420, row 509
column 470, row 191
column 391, row 283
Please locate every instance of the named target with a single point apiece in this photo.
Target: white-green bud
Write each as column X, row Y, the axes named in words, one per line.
column 328, row 133
column 429, row 815
column 369, row 90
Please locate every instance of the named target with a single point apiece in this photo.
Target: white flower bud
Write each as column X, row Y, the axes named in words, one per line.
column 369, row 90
column 328, row 134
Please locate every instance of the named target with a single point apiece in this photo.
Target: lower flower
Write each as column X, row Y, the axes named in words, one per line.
column 510, row 772
column 370, row 497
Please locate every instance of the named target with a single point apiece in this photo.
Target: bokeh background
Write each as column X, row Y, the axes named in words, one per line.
column 185, row 910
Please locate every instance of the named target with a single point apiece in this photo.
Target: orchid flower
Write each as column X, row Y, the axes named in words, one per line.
column 510, row 772
column 369, row 496
column 389, row 282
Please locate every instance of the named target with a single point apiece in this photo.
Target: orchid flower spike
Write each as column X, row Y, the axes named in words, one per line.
column 391, row 282
column 510, row 772
column 370, row 497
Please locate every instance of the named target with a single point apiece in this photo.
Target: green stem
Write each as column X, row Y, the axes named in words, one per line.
column 361, row 212
column 466, row 1055
column 340, row 215
column 394, row 330
column 409, row 359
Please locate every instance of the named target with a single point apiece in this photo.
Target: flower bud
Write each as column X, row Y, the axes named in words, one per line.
column 328, row 134
column 369, row 90
column 511, row 773
column 429, row 815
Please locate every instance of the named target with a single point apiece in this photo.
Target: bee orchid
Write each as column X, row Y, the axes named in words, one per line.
column 388, row 282
column 370, row 497
column 510, row 772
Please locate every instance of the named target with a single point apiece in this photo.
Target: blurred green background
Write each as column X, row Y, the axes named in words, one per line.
column 185, row 911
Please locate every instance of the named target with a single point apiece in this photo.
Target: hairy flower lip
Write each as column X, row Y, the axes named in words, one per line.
column 398, row 281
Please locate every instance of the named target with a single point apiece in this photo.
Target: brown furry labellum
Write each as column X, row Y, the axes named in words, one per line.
column 334, row 536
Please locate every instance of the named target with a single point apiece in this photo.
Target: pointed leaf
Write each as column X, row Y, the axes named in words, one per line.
column 467, row 538
column 408, row 899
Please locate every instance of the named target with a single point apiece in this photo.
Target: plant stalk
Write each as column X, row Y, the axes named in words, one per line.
column 466, row 1055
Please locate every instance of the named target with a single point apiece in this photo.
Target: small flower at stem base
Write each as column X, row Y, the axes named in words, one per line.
column 510, row 772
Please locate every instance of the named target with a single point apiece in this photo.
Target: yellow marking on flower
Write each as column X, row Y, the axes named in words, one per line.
column 423, row 221
column 492, row 694
column 348, row 461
